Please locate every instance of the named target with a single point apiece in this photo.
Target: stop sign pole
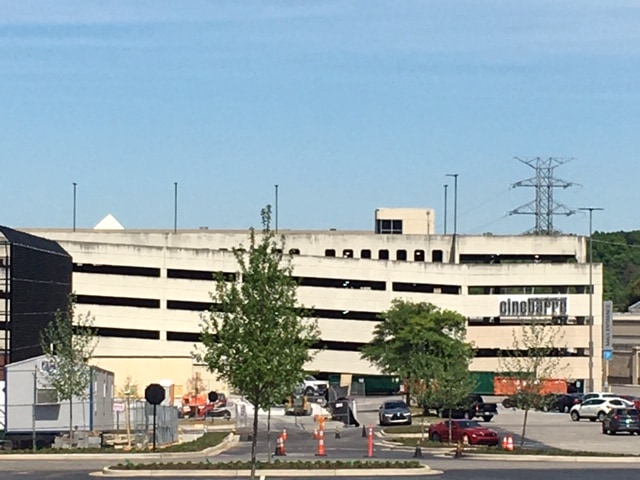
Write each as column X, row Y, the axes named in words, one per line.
column 154, row 394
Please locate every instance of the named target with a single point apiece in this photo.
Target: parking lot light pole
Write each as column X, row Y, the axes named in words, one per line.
column 591, row 349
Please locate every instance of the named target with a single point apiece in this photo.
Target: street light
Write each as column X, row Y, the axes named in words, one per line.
column 455, row 215
column 74, row 205
column 590, row 210
column 445, row 208
column 175, row 207
column 455, row 201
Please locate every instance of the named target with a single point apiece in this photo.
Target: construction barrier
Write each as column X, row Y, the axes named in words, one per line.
column 321, row 452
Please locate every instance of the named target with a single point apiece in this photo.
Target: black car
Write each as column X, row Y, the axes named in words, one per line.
column 564, row 402
column 621, row 420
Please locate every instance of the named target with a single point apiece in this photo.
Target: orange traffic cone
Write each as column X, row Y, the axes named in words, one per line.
column 315, row 434
column 279, row 447
column 282, row 439
column 504, row 442
column 321, row 452
column 510, row 443
column 284, row 434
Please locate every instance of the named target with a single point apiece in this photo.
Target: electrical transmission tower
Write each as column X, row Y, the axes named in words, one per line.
column 543, row 207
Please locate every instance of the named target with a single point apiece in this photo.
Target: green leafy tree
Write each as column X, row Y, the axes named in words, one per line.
column 255, row 337
column 68, row 341
column 619, row 252
column 532, row 360
column 451, row 384
column 416, row 342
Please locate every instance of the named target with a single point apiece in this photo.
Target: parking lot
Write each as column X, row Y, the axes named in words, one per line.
column 558, row 430
column 543, row 428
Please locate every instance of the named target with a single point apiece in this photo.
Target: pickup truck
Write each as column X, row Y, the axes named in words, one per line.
column 474, row 407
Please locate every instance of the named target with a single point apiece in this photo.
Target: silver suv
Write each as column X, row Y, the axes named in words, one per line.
column 597, row 408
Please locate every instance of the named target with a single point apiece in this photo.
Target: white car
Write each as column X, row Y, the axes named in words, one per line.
column 597, row 408
column 313, row 386
column 605, row 395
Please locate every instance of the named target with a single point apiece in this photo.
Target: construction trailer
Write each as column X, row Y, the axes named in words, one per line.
column 33, row 410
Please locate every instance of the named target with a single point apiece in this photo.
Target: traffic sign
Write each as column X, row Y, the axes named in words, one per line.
column 607, row 354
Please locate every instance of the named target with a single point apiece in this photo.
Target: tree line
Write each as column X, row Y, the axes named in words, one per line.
column 619, row 252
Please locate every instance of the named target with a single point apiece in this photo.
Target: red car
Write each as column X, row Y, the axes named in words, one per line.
column 468, row 431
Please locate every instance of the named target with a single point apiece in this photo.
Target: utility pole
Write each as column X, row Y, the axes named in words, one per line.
column 543, row 207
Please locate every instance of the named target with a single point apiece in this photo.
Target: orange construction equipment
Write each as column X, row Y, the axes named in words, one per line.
column 321, row 452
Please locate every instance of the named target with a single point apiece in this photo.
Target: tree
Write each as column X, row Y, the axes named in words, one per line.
column 532, row 359
column 254, row 337
column 451, row 384
column 68, row 341
column 416, row 341
column 129, row 392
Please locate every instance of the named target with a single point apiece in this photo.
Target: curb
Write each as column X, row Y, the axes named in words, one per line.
column 228, row 442
column 366, row 472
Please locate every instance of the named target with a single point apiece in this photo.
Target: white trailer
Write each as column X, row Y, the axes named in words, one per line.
column 33, row 407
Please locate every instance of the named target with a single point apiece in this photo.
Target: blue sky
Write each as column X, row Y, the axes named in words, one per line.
column 346, row 105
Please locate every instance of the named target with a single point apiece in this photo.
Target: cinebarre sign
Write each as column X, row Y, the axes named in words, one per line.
column 533, row 307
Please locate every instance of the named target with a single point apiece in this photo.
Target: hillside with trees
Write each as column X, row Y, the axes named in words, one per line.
column 619, row 252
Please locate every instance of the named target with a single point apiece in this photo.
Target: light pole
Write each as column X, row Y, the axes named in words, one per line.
column 74, row 205
column 175, row 207
column 455, row 202
column 276, row 210
column 591, row 352
column 454, row 249
column 445, row 208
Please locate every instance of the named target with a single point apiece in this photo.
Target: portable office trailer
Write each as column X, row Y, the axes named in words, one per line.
column 32, row 405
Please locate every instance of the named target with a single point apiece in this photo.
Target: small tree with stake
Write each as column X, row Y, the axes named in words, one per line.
column 255, row 337
column 68, row 342
column 532, row 360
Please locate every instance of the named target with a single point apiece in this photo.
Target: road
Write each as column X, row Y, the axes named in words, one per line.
column 544, row 428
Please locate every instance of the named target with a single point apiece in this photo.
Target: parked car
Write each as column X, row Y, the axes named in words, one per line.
column 590, row 395
column 621, row 420
column 563, row 402
column 467, row 431
column 597, row 408
column 517, row 400
column 313, row 386
column 394, row 412
column 473, row 407
column 633, row 399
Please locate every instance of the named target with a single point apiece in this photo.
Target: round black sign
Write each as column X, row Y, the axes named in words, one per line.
column 213, row 397
column 154, row 394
